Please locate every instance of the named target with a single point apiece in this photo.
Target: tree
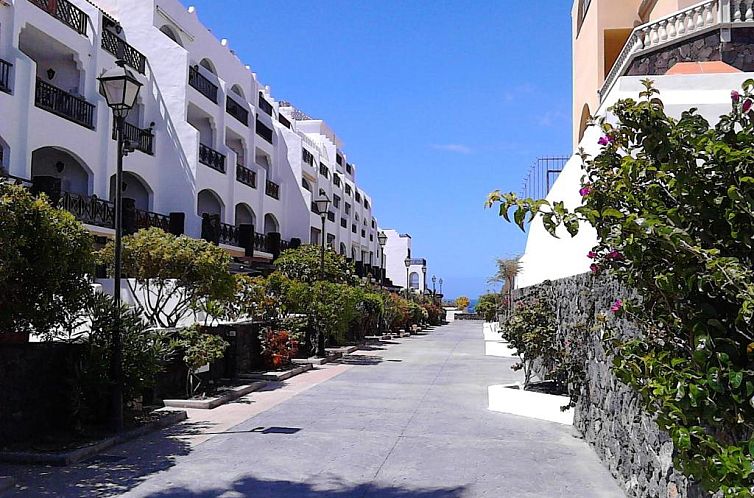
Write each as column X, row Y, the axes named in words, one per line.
column 199, row 349
column 303, row 264
column 45, row 260
column 171, row 276
column 671, row 201
column 462, row 303
column 507, row 271
column 487, row 306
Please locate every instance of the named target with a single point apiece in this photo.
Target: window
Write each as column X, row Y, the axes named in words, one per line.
column 264, row 131
column 339, row 159
column 306, row 185
column 343, row 223
column 265, row 106
column 356, row 216
column 413, row 280
column 374, row 223
column 324, row 171
column 284, row 121
column 348, row 208
column 331, row 216
column 307, row 156
column 336, row 179
column 363, row 233
column 348, row 189
column 583, row 9
column 336, row 201
column 349, row 168
column 353, row 228
column 358, row 196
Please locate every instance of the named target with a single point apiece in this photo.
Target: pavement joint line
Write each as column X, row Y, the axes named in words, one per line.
column 416, row 410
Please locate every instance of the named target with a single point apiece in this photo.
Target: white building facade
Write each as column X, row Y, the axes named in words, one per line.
column 401, row 266
column 216, row 155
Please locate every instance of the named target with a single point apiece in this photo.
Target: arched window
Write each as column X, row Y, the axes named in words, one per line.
column 172, row 34
column 413, row 281
column 75, row 176
column 245, row 215
column 584, row 121
column 208, row 65
column 271, row 224
column 208, row 202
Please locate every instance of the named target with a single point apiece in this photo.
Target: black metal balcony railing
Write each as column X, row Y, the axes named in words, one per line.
column 264, row 106
column 237, row 111
column 246, row 176
column 264, row 131
column 122, row 50
column 260, row 242
column 143, row 140
column 147, row 219
column 66, row 12
column 202, row 84
column 62, row 103
column 91, row 210
column 272, row 189
column 229, row 234
column 210, row 157
column 5, row 76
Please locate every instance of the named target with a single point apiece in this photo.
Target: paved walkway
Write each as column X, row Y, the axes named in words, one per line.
column 407, row 421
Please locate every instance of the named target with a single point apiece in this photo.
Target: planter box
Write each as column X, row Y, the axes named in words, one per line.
column 511, row 399
column 64, row 458
column 210, row 403
column 277, row 376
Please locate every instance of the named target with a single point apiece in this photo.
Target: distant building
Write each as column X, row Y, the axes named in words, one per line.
column 401, row 267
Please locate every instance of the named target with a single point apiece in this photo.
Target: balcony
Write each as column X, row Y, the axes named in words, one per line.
column 5, row 76
column 237, row 111
column 260, row 242
column 265, row 106
column 417, row 262
column 90, row 210
column 148, row 219
column 66, row 12
column 142, row 140
column 202, row 85
column 246, row 176
column 123, row 51
column 210, row 157
column 68, row 106
column 264, row 131
column 229, row 235
column 272, row 189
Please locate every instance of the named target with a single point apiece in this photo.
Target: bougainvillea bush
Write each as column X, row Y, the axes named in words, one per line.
column 672, row 201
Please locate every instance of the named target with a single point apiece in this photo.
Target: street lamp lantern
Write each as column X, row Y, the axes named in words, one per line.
column 407, row 262
column 424, row 279
column 434, row 281
column 382, row 238
column 323, row 204
column 121, row 89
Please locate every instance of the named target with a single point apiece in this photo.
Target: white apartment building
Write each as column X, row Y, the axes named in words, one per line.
column 695, row 52
column 216, row 155
column 401, row 267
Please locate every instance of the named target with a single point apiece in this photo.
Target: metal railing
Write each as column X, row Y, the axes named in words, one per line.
column 260, row 242
column 66, row 12
column 417, row 262
column 210, row 157
column 204, row 86
column 246, row 176
column 90, row 210
column 122, row 50
column 272, row 189
column 229, row 234
column 541, row 176
column 237, row 111
column 147, row 219
column 142, row 139
column 5, row 75
column 64, row 104
column 671, row 29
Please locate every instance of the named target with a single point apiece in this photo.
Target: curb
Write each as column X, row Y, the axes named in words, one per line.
column 208, row 404
column 65, row 458
column 278, row 376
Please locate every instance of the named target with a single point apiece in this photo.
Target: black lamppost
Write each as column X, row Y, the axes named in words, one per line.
column 440, row 286
column 434, row 281
column 424, row 279
column 121, row 89
column 407, row 262
column 323, row 205
column 382, row 238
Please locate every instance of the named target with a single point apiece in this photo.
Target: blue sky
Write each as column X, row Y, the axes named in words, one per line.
column 438, row 103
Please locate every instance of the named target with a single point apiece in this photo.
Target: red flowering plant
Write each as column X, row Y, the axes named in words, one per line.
column 671, row 201
column 278, row 348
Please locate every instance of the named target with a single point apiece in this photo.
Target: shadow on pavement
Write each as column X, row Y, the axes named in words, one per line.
column 251, row 486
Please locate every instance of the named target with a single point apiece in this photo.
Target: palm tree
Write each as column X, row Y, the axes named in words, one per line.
column 507, row 271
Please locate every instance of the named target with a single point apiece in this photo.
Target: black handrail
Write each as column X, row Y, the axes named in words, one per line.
column 260, row 242
column 142, row 139
column 202, row 84
column 246, row 176
column 66, row 12
column 62, row 103
column 5, row 75
column 210, row 157
column 147, row 219
column 229, row 234
column 272, row 189
column 91, row 210
column 237, row 111
column 122, row 50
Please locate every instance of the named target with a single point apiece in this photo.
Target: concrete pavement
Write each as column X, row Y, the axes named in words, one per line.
column 408, row 421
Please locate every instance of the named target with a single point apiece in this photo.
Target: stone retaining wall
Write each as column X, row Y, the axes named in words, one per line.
column 609, row 413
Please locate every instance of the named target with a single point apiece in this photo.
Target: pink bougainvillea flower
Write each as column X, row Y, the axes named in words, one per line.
column 585, row 190
column 606, row 140
column 594, row 268
column 615, row 255
column 747, row 105
column 591, row 255
column 617, row 305
column 735, row 96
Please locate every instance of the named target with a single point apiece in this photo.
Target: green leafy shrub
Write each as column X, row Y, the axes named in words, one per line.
column 199, row 349
column 304, row 264
column 672, row 202
column 487, row 306
column 176, row 274
column 45, row 257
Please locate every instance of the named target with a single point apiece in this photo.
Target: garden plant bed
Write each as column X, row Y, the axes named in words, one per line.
column 221, row 397
column 67, row 451
column 277, row 375
column 513, row 400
